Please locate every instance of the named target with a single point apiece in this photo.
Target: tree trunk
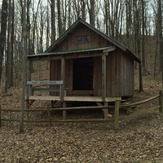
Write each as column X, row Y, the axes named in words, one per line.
column 83, row 9
column 4, row 15
column 143, row 37
column 160, row 37
column 47, row 28
column 53, row 18
column 24, row 30
column 91, row 10
column 59, row 17
column 9, row 58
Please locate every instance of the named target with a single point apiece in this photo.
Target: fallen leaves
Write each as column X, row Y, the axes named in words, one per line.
column 70, row 143
column 140, row 138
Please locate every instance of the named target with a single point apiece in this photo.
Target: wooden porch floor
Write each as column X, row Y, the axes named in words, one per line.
column 74, row 98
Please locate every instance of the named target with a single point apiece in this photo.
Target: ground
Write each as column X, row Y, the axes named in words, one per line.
column 139, row 139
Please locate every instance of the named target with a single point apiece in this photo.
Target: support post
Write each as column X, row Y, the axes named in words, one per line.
column 0, row 116
column 64, row 111
column 104, row 77
column 62, row 78
column 140, row 78
column 27, row 107
column 116, row 114
column 105, row 111
column 49, row 116
column 29, row 87
column 161, row 102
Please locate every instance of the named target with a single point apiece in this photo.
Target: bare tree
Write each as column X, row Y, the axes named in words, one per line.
column 24, row 30
column 47, row 27
column 129, row 20
column 157, row 9
column 91, row 11
column 29, row 40
column 53, row 17
column 10, row 43
column 41, row 29
column 160, row 37
column 4, row 15
column 60, row 28
column 83, row 9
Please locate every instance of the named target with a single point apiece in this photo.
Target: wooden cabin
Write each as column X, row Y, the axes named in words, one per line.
column 86, row 65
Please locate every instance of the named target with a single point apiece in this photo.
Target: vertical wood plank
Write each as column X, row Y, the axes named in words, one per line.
column 29, row 87
column 140, row 78
column 62, row 77
column 116, row 114
column 27, row 105
column 49, row 116
column 105, row 111
column 103, row 77
column 64, row 111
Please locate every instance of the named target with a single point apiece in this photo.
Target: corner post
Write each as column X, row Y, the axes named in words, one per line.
column 104, row 77
column 105, row 111
column 62, row 78
column 63, row 85
column 116, row 114
column 49, row 116
column 140, row 78
column 29, row 87
column 64, row 113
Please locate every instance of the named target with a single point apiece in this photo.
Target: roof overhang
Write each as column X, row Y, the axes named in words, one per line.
column 68, row 52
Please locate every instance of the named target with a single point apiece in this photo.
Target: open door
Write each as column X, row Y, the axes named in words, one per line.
column 83, row 74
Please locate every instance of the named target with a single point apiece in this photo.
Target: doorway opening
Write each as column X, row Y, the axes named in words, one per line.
column 83, row 74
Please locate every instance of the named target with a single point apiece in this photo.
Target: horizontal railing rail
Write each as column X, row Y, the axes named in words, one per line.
column 33, row 87
column 115, row 117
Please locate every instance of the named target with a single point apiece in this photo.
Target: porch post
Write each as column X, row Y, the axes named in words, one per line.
column 63, row 85
column 62, row 77
column 29, row 87
column 140, row 78
column 104, row 77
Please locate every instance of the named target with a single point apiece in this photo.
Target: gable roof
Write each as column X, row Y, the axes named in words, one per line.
column 81, row 21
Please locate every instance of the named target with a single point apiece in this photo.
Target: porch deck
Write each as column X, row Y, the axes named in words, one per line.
column 74, row 98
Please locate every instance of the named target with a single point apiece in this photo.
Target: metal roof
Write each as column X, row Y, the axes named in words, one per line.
column 71, row 29
column 68, row 52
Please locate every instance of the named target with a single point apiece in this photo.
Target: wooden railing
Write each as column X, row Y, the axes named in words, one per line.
column 115, row 117
column 31, row 89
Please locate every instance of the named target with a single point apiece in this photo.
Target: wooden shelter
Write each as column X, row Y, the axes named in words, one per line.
column 85, row 65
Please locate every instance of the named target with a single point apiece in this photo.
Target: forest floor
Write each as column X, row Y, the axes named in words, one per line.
column 139, row 139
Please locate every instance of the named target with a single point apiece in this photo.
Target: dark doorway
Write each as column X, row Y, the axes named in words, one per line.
column 83, row 74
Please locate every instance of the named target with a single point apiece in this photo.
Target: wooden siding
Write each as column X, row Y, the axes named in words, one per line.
column 97, row 82
column 120, row 74
column 70, row 43
column 119, row 80
column 119, row 65
column 113, row 79
column 127, row 76
column 55, row 72
column 69, row 76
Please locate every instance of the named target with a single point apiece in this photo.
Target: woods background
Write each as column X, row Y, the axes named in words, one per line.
column 135, row 23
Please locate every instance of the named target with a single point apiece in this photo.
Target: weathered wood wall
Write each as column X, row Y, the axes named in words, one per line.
column 120, row 74
column 120, row 67
column 70, row 43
